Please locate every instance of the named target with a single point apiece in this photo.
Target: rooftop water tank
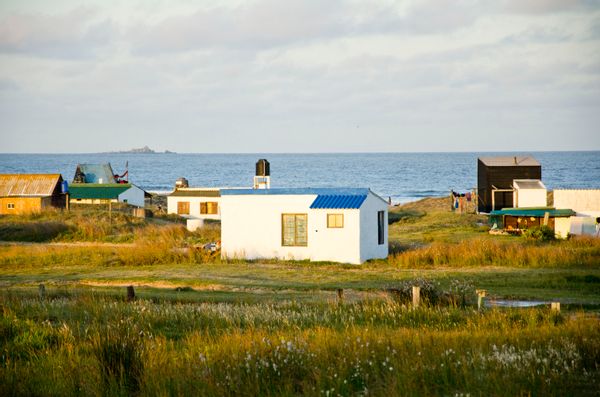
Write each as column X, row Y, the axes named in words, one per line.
column 263, row 168
column 181, row 182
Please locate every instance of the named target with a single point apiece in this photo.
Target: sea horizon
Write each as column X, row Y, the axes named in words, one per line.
column 399, row 176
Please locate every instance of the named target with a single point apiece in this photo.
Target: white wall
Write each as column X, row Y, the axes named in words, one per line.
column 531, row 198
column 251, row 225
column 194, row 206
column 585, row 202
column 334, row 244
column 133, row 196
column 370, row 247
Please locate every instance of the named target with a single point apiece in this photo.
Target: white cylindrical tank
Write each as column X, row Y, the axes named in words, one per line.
column 194, row 224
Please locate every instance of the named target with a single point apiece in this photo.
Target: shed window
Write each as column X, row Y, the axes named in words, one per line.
column 335, row 220
column 183, row 208
column 10, row 206
column 294, row 230
column 380, row 227
column 211, row 207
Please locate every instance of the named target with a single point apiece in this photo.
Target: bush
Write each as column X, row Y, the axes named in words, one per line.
column 539, row 233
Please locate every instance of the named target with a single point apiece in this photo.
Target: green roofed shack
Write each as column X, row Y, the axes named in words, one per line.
column 518, row 219
column 96, row 193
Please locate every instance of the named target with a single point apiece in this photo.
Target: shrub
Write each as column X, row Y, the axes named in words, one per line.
column 539, row 233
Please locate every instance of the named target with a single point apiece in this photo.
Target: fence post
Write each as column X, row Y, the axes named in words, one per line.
column 480, row 295
column 42, row 291
column 340, row 295
column 555, row 307
column 130, row 293
column 416, row 295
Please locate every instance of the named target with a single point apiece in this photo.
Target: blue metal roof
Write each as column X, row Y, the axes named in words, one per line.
column 338, row 201
column 325, row 191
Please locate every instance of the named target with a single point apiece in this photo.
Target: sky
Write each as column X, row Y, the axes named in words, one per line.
column 299, row 75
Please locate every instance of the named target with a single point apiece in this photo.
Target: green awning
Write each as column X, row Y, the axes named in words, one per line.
column 104, row 191
column 535, row 212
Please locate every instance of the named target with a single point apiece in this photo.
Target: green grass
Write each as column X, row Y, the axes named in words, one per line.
column 97, row 345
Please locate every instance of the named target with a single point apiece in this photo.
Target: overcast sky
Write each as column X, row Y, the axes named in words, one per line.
column 299, row 75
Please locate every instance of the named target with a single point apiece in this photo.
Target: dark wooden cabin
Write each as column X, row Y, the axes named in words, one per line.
column 495, row 177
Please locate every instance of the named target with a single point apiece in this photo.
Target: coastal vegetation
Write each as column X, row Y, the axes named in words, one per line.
column 201, row 325
column 96, row 345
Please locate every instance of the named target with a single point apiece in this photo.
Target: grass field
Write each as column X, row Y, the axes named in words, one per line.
column 203, row 326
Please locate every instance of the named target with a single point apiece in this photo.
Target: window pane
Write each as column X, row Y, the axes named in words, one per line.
column 288, row 229
column 212, row 207
column 203, row 209
column 380, row 227
column 301, row 230
column 335, row 220
column 183, row 207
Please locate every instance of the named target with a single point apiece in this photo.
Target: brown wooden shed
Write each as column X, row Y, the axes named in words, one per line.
column 495, row 176
column 26, row 193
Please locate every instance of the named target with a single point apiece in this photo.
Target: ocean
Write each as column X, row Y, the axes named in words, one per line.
column 402, row 176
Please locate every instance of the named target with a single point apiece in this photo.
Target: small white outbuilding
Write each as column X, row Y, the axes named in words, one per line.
column 529, row 193
column 319, row 224
column 195, row 203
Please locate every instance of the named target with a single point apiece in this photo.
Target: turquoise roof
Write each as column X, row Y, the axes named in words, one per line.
column 103, row 191
column 535, row 212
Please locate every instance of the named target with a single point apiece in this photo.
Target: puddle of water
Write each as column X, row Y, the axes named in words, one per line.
column 514, row 303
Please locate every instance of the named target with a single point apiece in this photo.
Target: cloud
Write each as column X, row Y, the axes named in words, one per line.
column 534, row 7
column 74, row 34
column 272, row 23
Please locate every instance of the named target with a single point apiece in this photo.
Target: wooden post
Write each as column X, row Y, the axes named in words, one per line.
column 555, row 307
column 130, row 294
column 546, row 218
column 340, row 295
column 416, row 295
column 480, row 295
column 42, row 291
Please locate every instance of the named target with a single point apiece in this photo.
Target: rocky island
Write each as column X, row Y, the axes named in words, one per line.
column 142, row 150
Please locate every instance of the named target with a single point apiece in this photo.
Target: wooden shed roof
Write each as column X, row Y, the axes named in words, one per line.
column 509, row 161
column 32, row 185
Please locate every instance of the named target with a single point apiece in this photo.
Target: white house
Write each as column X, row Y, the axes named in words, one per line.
column 529, row 193
column 195, row 203
column 586, row 204
column 326, row 224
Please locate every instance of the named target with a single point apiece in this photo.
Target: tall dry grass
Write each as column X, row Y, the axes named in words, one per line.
column 579, row 252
